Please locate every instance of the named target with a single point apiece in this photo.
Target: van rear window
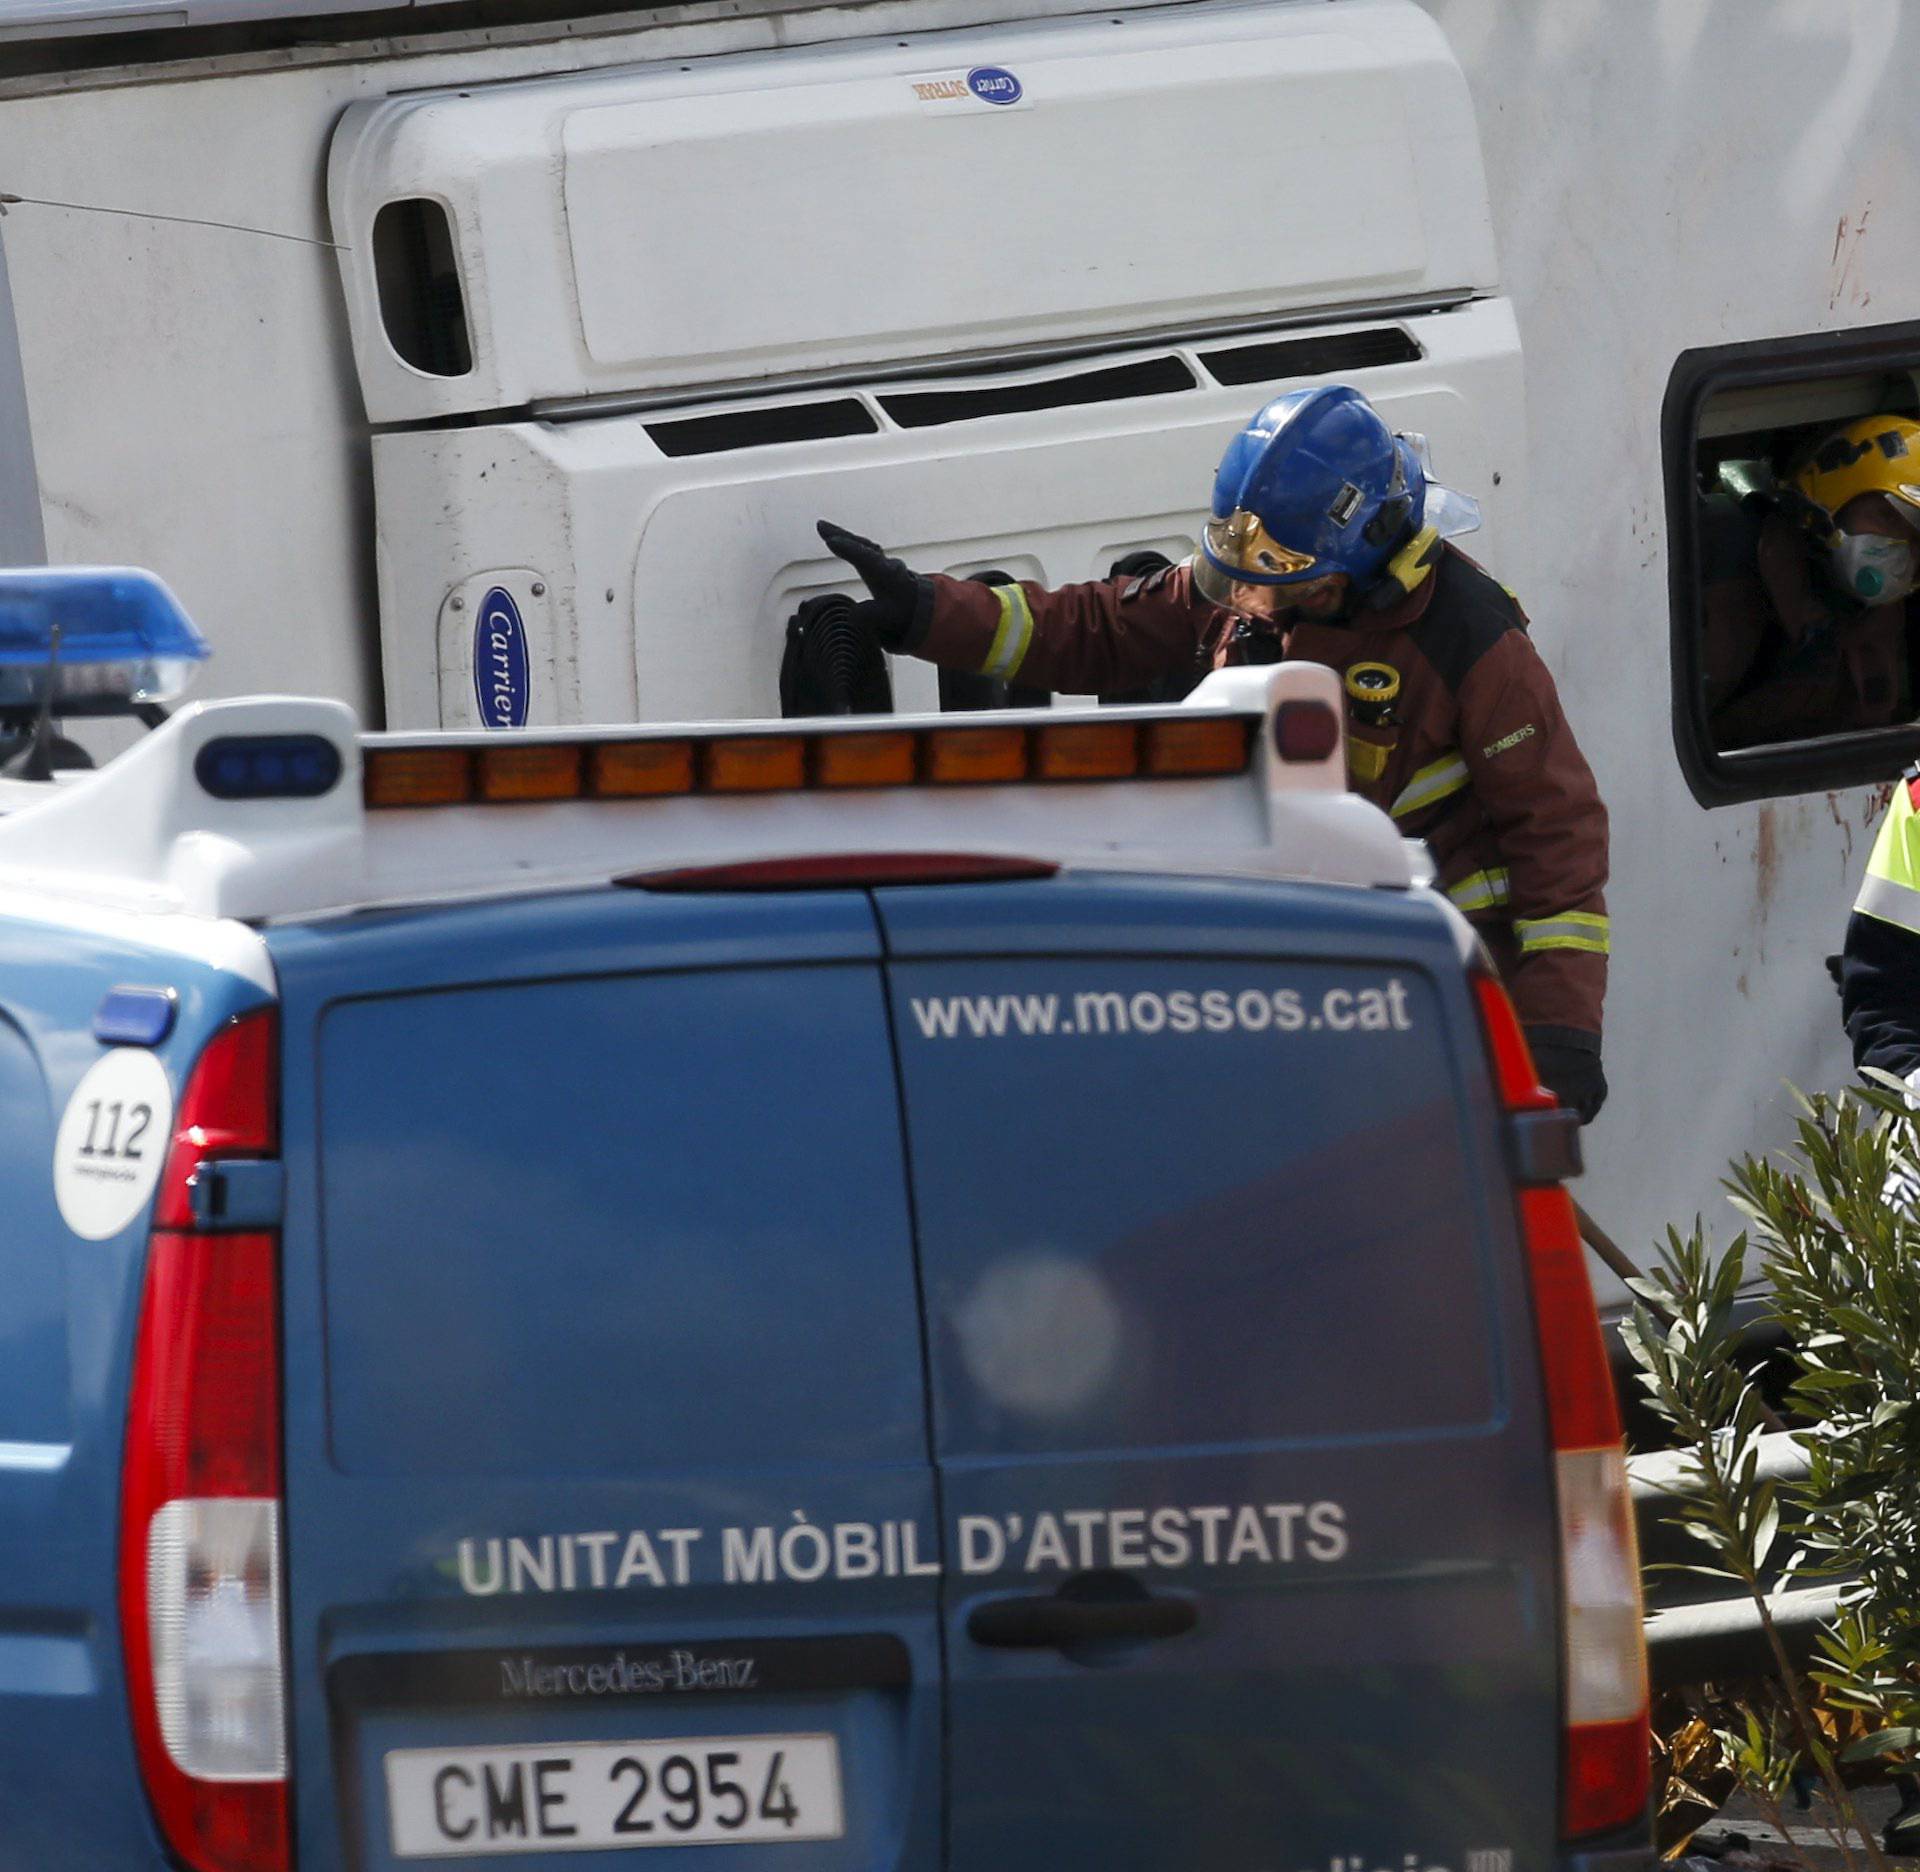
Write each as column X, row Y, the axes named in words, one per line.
column 1185, row 1202
column 614, row 1225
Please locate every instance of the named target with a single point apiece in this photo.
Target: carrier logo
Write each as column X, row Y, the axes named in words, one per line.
column 982, row 84
column 993, row 84
column 500, row 677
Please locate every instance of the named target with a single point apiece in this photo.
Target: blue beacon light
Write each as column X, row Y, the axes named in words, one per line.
column 291, row 766
column 92, row 640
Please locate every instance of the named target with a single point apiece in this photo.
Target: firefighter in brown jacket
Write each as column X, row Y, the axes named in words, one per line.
column 1328, row 542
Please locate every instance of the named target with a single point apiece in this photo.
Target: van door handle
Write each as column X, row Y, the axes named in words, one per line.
column 1053, row 1621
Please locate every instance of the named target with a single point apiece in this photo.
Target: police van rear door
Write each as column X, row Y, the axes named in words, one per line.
column 610, row 1513
column 1238, row 1427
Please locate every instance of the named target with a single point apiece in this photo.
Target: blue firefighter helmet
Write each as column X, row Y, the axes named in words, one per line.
column 1316, row 484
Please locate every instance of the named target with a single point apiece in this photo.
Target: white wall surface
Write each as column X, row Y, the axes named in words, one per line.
column 1666, row 175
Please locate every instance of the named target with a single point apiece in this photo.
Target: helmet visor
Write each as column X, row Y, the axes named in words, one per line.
column 1242, row 549
column 1451, row 513
column 1261, row 602
column 1265, row 604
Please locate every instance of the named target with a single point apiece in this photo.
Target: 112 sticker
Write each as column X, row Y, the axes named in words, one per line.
column 112, row 1142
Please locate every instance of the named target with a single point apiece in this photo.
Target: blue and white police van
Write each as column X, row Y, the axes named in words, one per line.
column 878, row 1293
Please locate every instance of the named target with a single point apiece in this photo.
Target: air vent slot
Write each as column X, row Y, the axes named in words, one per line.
column 1324, row 356
column 1115, row 383
column 418, row 275
column 763, row 427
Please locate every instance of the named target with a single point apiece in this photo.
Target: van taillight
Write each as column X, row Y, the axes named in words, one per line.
column 1605, row 1763
column 200, row 1592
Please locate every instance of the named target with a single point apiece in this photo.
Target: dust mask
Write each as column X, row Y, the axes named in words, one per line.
column 1873, row 568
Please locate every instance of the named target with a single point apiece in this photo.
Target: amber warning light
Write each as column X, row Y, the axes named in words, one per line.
column 518, row 771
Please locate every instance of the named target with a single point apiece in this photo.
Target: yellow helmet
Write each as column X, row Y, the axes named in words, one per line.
column 1876, row 455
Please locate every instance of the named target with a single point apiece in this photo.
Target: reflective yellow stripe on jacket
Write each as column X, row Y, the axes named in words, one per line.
column 1571, row 929
column 1436, row 781
column 1480, row 890
column 1011, row 640
column 1891, row 892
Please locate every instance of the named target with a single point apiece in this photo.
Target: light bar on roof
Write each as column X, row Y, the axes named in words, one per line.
column 233, row 810
column 1183, row 746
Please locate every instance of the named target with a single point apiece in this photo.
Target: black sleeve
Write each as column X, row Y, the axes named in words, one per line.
column 1880, row 994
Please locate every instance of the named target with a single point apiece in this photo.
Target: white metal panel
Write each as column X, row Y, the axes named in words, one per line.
column 670, row 580
column 700, row 227
column 737, row 218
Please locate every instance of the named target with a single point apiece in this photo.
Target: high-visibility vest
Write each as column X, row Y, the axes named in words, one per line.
column 1890, row 892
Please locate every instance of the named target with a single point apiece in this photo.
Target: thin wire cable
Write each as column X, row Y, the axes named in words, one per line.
column 144, row 214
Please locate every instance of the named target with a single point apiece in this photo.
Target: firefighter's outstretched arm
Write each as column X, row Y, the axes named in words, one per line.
column 1545, row 811
column 1085, row 639
column 1880, row 966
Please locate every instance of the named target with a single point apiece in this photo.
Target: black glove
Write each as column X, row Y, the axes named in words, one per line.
column 902, row 600
column 1569, row 1065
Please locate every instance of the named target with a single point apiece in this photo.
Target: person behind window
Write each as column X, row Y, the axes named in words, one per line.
column 1810, row 636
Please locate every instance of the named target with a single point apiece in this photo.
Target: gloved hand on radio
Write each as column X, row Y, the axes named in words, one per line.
column 901, row 597
column 1569, row 1067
